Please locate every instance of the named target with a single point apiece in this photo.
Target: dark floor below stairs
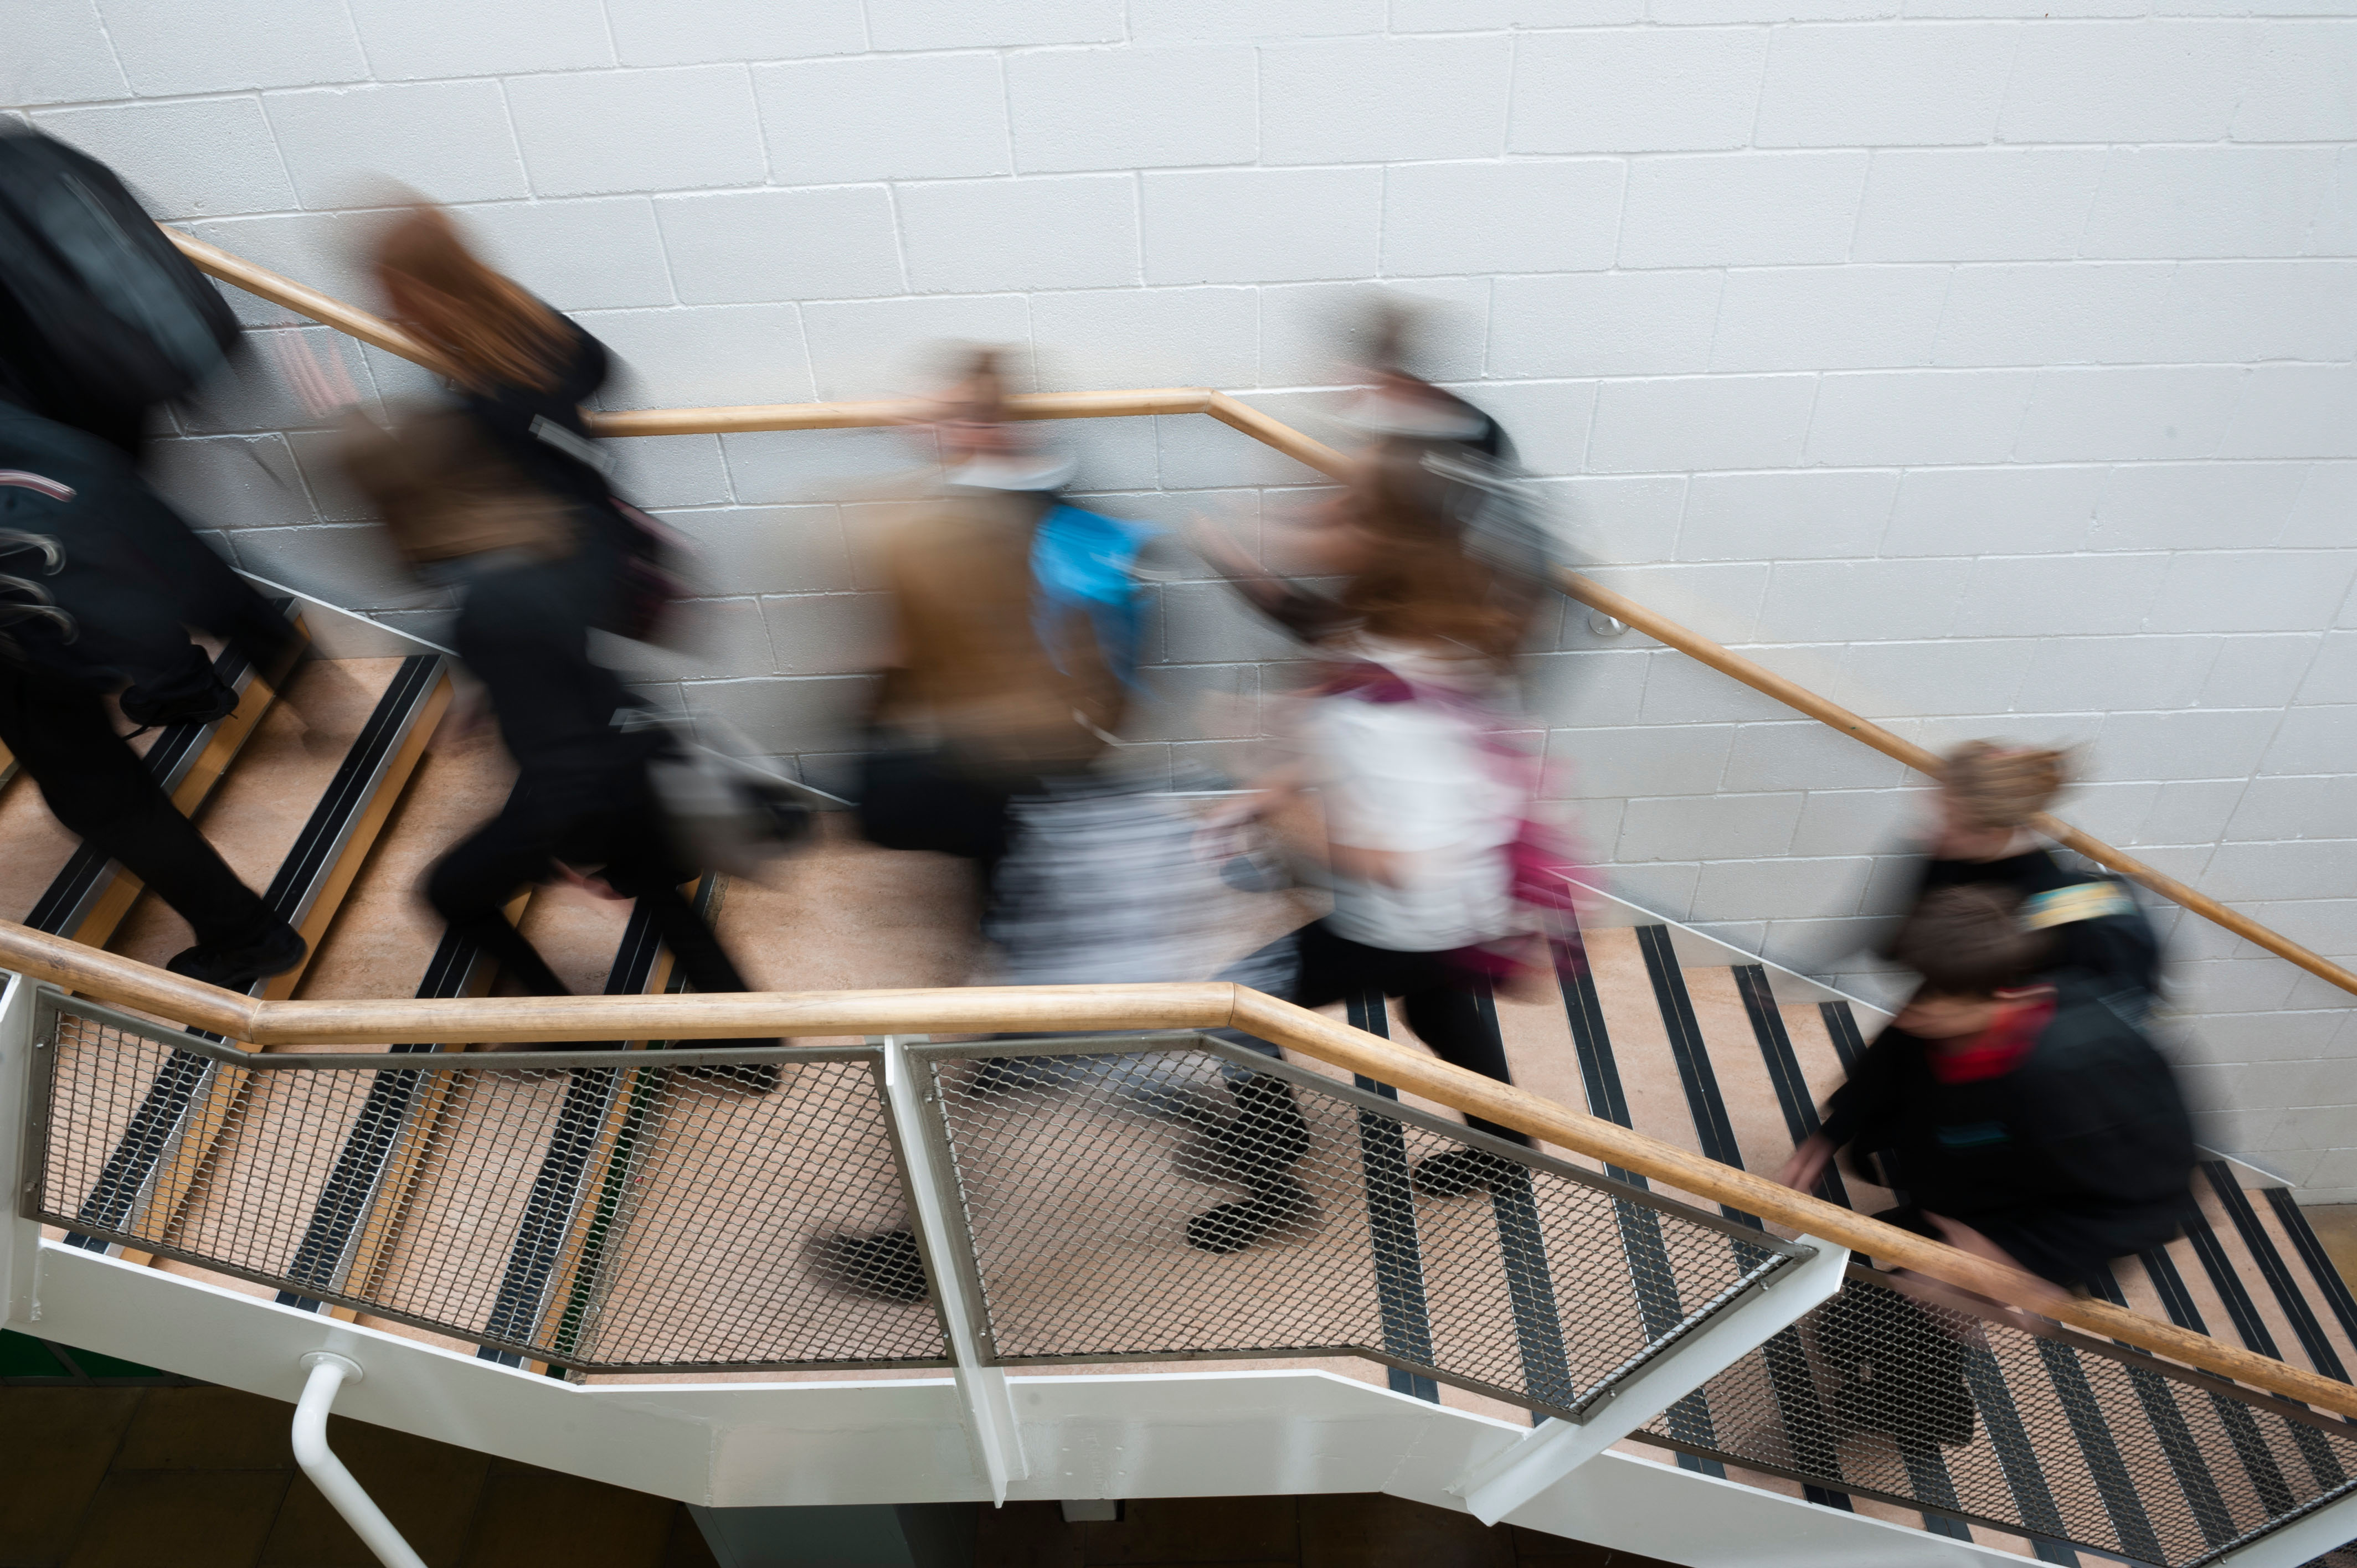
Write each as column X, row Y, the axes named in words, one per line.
column 109, row 1466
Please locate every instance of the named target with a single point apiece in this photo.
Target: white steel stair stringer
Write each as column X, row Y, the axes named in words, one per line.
column 1505, row 1482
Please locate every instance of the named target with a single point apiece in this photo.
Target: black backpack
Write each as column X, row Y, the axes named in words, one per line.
column 101, row 316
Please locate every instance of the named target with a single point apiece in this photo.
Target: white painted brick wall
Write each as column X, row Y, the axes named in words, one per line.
column 1988, row 367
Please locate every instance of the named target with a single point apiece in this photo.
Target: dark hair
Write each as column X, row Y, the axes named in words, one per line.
column 1968, row 941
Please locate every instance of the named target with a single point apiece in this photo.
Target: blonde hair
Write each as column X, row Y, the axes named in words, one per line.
column 1997, row 787
column 492, row 331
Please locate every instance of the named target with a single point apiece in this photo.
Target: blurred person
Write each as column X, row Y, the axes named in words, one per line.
column 1015, row 621
column 503, row 497
column 100, row 320
column 1987, row 797
column 2022, row 1113
column 83, row 611
column 1439, row 472
column 1433, row 852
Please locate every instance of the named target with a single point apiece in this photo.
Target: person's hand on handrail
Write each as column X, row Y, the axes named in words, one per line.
column 1808, row 1163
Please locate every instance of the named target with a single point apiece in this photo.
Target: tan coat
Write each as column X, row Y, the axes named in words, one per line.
column 969, row 670
column 443, row 493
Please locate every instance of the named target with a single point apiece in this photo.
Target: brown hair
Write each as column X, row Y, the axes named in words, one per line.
column 1968, row 941
column 492, row 330
column 1993, row 786
column 1422, row 584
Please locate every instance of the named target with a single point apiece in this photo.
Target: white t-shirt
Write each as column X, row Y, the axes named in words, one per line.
column 1413, row 779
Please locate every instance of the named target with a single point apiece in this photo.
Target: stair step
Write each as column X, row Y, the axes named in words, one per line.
column 83, row 895
column 203, row 1112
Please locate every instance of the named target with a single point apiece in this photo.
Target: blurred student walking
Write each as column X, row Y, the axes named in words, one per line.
column 100, row 320
column 503, row 497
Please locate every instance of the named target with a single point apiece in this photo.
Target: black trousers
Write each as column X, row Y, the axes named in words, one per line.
column 541, row 826
column 100, row 789
column 1448, row 1007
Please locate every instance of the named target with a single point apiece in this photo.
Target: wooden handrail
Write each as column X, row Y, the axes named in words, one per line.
column 1662, row 629
column 304, row 300
column 1033, row 1009
column 1283, row 437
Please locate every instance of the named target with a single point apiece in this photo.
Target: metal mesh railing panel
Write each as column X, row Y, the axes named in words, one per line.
column 601, row 1218
column 1875, row 1393
column 1089, row 1183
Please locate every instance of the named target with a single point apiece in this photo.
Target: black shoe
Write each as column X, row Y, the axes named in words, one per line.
column 748, row 1078
column 206, row 703
column 884, row 1268
column 1455, row 1171
column 1233, row 1227
column 1264, row 1141
column 278, row 949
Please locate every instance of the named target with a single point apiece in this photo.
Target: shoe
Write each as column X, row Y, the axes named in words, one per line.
column 1264, row 1140
column 207, row 703
column 278, row 949
column 887, row 1267
column 1233, row 1227
column 1455, row 1171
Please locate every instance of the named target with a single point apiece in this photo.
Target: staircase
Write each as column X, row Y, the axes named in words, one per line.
column 639, row 1273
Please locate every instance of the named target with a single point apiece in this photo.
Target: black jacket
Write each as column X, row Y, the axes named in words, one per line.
column 2103, row 936
column 132, row 574
column 2080, row 1155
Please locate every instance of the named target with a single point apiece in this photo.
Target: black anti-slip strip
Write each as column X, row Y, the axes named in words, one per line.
column 166, row 1103
column 1530, row 1280
column 1391, row 1223
column 1715, row 1134
column 2025, row 1478
column 2334, row 1289
column 539, row 1243
column 68, row 892
column 1841, row 1025
column 1788, row 1380
column 348, row 791
column 1784, row 1070
column 2241, row 1427
column 2092, row 1429
column 2186, row 1461
column 1654, row 1282
column 2312, row 1445
column 352, row 1189
column 2288, row 1295
column 2240, row 1307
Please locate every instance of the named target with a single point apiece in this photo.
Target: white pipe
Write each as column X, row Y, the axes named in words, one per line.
column 328, row 1372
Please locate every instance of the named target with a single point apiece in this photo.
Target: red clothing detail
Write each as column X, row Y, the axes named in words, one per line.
column 1999, row 1048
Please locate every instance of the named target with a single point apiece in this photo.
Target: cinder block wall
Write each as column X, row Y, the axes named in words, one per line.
column 1987, row 366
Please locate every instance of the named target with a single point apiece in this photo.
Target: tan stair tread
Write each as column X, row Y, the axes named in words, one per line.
column 1753, row 1111
column 2288, row 1345
column 1641, row 1046
column 385, row 937
column 1540, row 1054
column 255, row 815
column 34, row 846
column 2305, row 1281
column 841, row 915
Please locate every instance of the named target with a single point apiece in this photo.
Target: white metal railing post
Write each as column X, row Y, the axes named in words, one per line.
column 989, row 1406
column 1508, row 1479
column 329, row 1372
column 20, row 1057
